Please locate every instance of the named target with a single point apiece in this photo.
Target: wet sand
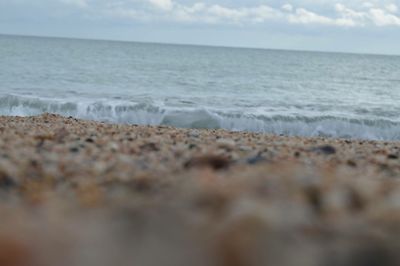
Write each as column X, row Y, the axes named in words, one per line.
column 85, row 193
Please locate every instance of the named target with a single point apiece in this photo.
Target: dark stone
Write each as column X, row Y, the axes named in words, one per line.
column 351, row 163
column 192, row 146
column 74, row 149
column 393, row 156
column 89, row 140
column 255, row 159
column 6, row 182
column 213, row 161
column 149, row 147
column 326, row 149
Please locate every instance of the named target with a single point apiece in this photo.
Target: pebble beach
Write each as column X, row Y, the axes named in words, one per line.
column 85, row 193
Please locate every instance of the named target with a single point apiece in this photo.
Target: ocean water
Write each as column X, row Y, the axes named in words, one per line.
column 280, row 92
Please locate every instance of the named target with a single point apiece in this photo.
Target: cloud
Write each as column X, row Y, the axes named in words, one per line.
column 325, row 13
column 287, row 7
column 381, row 18
column 392, row 8
column 303, row 16
column 371, row 16
column 359, row 14
column 162, row 4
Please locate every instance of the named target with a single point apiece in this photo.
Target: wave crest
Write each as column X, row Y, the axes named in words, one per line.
column 151, row 114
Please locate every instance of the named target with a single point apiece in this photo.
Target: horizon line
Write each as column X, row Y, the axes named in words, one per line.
column 193, row 44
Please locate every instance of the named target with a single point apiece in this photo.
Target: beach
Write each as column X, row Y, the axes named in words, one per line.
column 80, row 192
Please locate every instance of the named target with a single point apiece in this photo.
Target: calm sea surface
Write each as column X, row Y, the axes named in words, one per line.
column 282, row 92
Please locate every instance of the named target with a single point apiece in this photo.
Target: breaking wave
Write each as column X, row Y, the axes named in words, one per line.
column 153, row 114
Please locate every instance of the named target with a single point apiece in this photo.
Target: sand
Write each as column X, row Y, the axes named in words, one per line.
column 85, row 193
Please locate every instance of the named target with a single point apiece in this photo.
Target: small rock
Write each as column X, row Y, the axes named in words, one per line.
column 351, row 163
column 193, row 134
column 89, row 140
column 74, row 149
column 227, row 144
column 113, row 146
column 6, row 182
column 245, row 148
column 213, row 161
column 392, row 156
column 326, row 149
column 255, row 159
column 192, row 146
column 149, row 147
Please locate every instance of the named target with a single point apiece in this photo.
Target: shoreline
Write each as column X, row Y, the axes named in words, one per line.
column 220, row 196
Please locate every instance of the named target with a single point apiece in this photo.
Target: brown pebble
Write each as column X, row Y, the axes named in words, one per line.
column 351, row 163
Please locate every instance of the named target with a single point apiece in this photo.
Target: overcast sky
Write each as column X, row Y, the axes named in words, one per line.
column 328, row 25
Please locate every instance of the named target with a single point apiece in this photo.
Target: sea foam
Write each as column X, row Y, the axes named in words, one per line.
column 126, row 112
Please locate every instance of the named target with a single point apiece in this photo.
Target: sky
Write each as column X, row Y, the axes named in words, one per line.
column 327, row 25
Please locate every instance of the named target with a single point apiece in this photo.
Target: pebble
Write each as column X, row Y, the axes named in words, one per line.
column 227, row 144
column 256, row 159
column 213, row 161
column 326, row 149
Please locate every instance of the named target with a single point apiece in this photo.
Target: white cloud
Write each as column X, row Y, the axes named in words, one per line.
column 382, row 18
column 392, row 8
column 350, row 13
column 349, row 17
column 226, row 13
column 372, row 16
column 303, row 16
column 162, row 4
column 287, row 7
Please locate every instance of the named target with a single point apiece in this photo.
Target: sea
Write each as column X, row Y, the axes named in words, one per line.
column 293, row 93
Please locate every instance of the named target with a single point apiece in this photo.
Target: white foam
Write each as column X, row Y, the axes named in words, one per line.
column 148, row 113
